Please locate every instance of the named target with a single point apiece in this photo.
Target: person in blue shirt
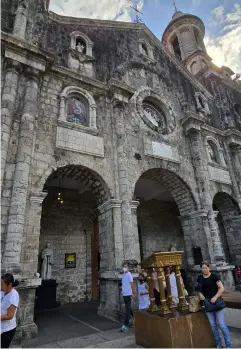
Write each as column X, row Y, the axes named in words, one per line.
column 128, row 292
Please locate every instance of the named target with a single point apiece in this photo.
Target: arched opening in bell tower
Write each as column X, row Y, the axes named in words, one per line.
column 176, row 48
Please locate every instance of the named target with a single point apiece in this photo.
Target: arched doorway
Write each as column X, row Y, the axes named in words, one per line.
column 163, row 197
column 229, row 222
column 69, row 222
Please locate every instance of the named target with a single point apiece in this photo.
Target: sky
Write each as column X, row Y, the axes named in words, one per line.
column 222, row 19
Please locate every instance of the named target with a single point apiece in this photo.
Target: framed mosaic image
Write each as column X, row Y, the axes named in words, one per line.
column 70, row 260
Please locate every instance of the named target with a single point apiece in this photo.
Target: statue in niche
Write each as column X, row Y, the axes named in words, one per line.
column 47, row 262
column 211, row 153
column 80, row 47
column 76, row 112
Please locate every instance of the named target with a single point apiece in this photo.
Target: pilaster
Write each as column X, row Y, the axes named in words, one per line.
column 21, row 17
column 192, row 126
column 30, row 250
column 9, row 95
column 16, row 218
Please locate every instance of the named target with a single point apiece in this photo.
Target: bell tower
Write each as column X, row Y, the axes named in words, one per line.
column 183, row 37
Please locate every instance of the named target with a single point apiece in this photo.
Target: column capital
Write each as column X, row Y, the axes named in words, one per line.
column 233, row 138
column 13, row 65
column 192, row 122
column 106, row 206
column 134, row 204
column 32, row 73
column 38, row 197
column 194, row 214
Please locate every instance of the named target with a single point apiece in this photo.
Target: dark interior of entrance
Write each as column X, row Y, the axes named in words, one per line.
column 158, row 224
column 70, row 224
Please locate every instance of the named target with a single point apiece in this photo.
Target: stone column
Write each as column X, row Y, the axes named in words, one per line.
column 232, row 169
column 21, row 17
column 30, row 251
column 163, row 307
column 9, row 95
column 236, row 156
column 16, row 219
column 129, row 227
column 111, row 258
column 203, row 183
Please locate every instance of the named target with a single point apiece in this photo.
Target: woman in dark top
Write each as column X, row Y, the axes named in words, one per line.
column 212, row 288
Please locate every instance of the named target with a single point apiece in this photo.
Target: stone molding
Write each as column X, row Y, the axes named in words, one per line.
column 89, row 44
column 233, row 137
column 87, row 96
column 38, row 197
column 192, row 122
column 11, row 64
column 112, row 203
column 161, row 101
column 78, row 127
column 26, row 59
column 195, row 214
column 135, row 204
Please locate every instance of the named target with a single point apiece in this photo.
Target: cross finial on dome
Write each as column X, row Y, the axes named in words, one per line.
column 175, row 7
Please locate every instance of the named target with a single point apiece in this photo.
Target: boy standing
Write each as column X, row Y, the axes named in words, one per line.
column 127, row 292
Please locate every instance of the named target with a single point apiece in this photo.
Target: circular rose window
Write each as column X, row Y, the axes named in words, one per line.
column 154, row 116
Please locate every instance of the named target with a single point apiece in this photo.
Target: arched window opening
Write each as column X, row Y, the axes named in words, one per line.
column 144, row 49
column 197, row 37
column 77, row 110
column 212, row 152
column 80, row 45
column 176, row 48
column 201, row 102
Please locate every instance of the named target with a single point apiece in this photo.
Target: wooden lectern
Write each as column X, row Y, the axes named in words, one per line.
column 160, row 261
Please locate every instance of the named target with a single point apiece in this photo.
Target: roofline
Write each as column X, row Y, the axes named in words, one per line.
column 135, row 26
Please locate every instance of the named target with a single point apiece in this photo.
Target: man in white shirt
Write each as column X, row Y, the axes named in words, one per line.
column 127, row 292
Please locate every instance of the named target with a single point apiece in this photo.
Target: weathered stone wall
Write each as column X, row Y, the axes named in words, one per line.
column 47, row 156
column 68, row 227
column 160, row 227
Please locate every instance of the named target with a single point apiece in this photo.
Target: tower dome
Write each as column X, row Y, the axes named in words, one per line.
column 183, row 37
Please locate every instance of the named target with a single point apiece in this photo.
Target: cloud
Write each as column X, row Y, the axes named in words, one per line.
column 225, row 47
column 104, row 9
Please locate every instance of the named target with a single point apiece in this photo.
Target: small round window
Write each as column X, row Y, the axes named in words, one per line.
column 154, row 115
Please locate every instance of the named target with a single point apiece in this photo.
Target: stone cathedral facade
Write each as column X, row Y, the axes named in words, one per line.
column 115, row 144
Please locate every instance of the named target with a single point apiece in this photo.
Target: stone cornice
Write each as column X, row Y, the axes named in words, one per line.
column 112, row 203
column 38, row 197
column 86, row 80
column 25, row 48
column 233, row 137
column 192, row 122
column 229, row 82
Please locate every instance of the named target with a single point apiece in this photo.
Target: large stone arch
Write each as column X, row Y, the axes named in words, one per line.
column 85, row 175
column 164, row 213
column 229, row 220
column 177, row 187
column 86, row 167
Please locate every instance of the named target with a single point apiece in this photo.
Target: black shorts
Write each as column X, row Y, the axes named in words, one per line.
column 7, row 337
